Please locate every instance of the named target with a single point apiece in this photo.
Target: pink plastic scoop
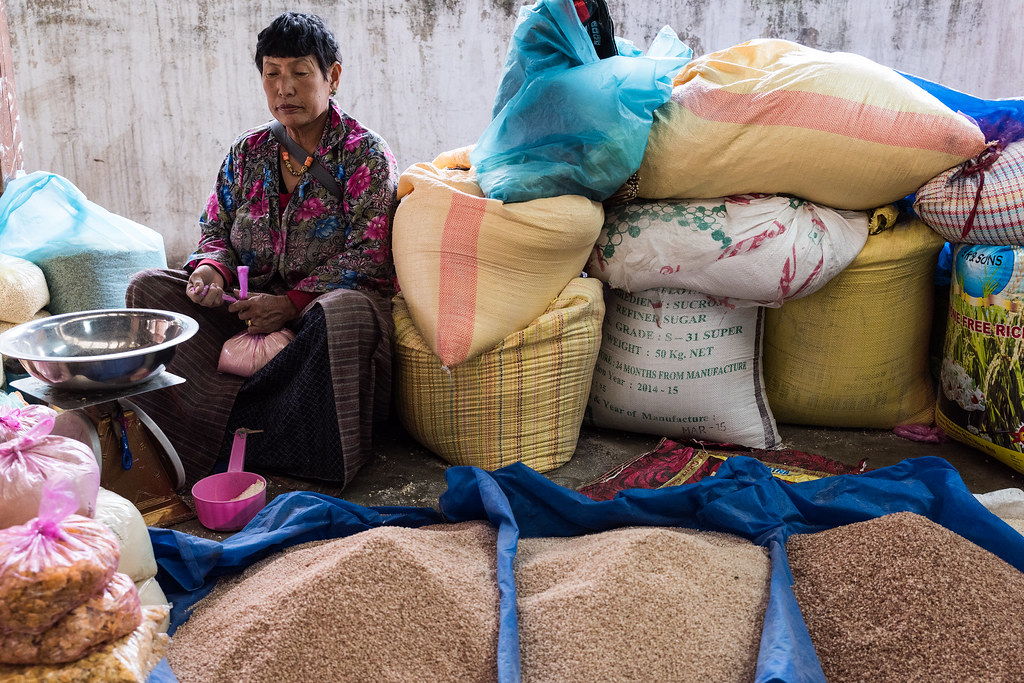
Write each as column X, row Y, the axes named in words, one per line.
column 227, row 501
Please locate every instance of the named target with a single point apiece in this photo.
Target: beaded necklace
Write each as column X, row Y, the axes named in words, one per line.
column 288, row 164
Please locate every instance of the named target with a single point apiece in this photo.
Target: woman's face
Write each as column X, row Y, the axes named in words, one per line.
column 297, row 91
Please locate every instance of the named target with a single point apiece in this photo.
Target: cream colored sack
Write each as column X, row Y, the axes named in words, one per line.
column 855, row 353
column 475, row 270
column 776, row 117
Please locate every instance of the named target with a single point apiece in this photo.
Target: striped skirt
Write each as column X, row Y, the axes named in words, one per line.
column 316, row 402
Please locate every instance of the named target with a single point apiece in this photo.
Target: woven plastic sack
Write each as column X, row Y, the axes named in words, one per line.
column 129, row 659
column 980, row 201
column 87, row 253
column 52, row 564
column 34, row 457
column 776, row 117
column 245, row 353
column 855, row 353
column 680, row 364
column 564, row 121
column 521, row 401
column 23, row 290
column 113, row 613
column 753, row 249
column 473, row 270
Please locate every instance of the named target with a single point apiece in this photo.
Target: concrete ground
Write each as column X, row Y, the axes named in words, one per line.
column 403, row 472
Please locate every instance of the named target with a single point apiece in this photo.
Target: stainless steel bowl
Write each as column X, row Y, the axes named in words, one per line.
column 98, row 350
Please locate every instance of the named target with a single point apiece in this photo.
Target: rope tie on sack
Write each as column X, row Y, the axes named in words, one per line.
column 978, row 165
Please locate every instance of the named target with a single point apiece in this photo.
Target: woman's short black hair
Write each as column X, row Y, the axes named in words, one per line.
column 297, row 34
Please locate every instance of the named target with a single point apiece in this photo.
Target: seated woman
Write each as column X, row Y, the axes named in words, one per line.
column 319, row 263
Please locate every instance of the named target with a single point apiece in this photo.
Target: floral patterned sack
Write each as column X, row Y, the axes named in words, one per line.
column 246, row 352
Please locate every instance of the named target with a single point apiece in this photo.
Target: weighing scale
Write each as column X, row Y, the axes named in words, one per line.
column 135, row 458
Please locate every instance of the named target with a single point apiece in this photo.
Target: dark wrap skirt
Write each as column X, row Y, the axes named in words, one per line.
column 316, row 402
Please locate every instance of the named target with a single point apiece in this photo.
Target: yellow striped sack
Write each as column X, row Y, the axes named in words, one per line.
column 776, row 117
column 475, row 270
column 855, row 353
column 521, row 401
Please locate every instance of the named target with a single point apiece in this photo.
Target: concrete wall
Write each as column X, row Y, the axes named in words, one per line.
column 136, row 101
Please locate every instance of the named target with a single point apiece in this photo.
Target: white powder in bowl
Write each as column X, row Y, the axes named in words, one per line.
column 252, row 490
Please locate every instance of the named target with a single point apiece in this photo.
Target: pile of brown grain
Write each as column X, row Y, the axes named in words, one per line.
column 901, row 598
column 641, row 604
column 388, row 604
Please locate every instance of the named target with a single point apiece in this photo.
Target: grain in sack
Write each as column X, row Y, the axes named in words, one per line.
column 389, row 604
column 756, row 249
column 52, row 564
column 901, row 598
column 980, row 201
column 777, row 117
column 641, row 604
column 981, row 393
column 23, row 290
column 683, row 365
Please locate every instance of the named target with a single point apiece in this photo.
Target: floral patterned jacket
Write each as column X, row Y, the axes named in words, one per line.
column 319, row 243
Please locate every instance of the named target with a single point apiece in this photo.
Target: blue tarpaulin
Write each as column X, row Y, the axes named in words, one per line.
column 742, row 498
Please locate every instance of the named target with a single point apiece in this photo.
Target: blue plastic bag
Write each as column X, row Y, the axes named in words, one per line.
column 564, row 121
column 87, row 253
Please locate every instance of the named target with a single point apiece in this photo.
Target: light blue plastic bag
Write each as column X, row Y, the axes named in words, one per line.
column 565, row 122
column 87, row 253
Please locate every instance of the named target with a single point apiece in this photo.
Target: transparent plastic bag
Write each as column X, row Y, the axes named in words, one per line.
column 23, row 289
column 87, row 253
column 129, row 659
column 566, row 122
column 16, row 419
column 35, row 456
column 115, row 612
column 52, row 564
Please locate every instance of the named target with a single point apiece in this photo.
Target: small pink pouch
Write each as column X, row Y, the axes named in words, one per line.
column 247, row 352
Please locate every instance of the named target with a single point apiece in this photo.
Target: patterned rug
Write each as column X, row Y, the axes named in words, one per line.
column 672, row 463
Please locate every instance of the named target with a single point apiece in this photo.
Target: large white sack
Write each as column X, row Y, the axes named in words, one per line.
column 678, row 364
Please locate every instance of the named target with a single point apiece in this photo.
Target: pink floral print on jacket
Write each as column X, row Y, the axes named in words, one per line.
column 320, row 242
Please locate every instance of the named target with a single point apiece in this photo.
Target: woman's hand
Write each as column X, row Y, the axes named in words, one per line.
column 205, row 286
column 265, row 313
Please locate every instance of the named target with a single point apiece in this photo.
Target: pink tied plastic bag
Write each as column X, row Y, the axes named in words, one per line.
column 53, row 563
column 246, row 352
column 15, row 421
column 34, row 457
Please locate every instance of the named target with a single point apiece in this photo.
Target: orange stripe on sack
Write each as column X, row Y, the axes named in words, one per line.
column 831, row 114
column 456, row 295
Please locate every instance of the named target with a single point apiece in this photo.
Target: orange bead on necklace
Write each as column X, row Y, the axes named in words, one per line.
column 291, row 169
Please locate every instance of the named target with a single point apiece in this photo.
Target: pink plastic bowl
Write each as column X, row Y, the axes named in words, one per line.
column 214, row 495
